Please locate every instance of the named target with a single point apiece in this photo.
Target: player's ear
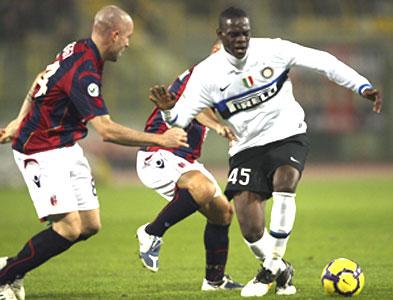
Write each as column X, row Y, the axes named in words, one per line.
column 115, row 35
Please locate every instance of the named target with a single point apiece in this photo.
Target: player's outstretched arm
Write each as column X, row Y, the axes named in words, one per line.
column 7, row 133
column 113, row 132
column 162, row 98
column 375, row 96
column 209, row 119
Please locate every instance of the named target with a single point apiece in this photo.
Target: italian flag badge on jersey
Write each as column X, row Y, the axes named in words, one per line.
column 248, row 82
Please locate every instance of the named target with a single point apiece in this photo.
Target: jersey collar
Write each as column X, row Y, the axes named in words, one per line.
column 238, row 64
column 97, row 55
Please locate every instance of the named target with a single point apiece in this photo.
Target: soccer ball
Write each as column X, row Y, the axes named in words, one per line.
column 342, row 276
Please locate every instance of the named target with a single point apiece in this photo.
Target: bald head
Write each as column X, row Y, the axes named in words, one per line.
column 112, row 29
column 110, row 18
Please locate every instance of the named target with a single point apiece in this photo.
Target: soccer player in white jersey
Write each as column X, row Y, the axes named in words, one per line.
column 247, row 83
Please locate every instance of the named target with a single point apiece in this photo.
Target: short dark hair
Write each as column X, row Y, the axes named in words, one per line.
column 231, row 13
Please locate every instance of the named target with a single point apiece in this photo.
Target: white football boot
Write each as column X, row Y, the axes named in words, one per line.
column 284, row 285
column 6, row 293
column 259, row 285
column 17, row 285
column 149, row 248
column 263, row 281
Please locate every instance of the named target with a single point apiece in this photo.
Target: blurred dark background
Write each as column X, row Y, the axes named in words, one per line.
column 171, row 35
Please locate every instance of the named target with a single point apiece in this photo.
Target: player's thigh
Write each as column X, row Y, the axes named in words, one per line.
column 250, row 212
column 199, row 186
column 155, row 170
column 161, row 170
column 286, row 160
column 47, row 176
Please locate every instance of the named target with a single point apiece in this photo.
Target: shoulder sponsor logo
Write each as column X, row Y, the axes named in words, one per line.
column 93, row 89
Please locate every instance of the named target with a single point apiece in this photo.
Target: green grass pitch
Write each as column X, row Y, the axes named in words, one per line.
column 335, row 218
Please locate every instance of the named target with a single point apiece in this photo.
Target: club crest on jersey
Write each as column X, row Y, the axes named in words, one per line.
column 248, row 81
column 93, row 89
column 267, row 72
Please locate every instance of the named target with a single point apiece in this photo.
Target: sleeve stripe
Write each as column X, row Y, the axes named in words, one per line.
column 363, row 87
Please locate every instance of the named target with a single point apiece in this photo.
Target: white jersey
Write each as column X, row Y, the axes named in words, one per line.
column 254, row 93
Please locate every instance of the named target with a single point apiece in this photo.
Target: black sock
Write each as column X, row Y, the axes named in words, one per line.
column 178, row 209
column 38, row 250
column 216, row 246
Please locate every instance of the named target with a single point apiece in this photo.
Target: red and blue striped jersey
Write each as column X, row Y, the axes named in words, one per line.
column 196, row 131
column 67, row 96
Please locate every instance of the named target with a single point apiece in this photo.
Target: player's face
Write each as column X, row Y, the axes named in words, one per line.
column 120, row 41
column 235, row 36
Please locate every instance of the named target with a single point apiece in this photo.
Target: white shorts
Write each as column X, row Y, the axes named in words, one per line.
column 59, row 180
column 160, row 171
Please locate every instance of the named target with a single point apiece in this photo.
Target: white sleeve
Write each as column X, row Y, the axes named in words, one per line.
column 193, row 100
column 326, row 64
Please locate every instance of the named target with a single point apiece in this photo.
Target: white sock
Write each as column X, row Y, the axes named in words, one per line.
column 261, row 247
column 274, row 264
column 281, row 223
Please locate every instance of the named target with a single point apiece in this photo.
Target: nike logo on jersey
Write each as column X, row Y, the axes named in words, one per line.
column 224, row 88
column 37, row 181
column 294, row 160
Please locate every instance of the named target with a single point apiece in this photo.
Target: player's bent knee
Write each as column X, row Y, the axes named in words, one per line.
column 218, row 211
column 228, row 215
column 286, row 179
column 252, row 233
column 203, row 193
column 70, row 232
column 91, row 230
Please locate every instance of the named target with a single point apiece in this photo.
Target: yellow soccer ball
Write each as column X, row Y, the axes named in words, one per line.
column 342, row 276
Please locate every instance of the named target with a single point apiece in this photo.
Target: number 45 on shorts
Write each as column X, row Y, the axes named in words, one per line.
column 240, row 176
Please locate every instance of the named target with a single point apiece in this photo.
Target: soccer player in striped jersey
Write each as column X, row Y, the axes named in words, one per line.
column 247, row 83
column 52, row 119
column 176, row 175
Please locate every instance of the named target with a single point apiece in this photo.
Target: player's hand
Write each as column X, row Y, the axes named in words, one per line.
column 162, row 98
column 375, row 96
column 6, row 134
column 226, row 132
column 174, row 137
